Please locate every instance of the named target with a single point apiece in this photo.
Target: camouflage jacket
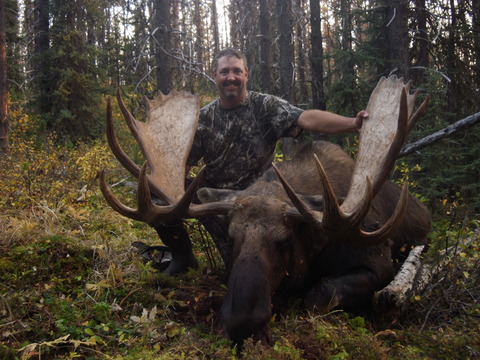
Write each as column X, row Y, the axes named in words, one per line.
column 237, row 145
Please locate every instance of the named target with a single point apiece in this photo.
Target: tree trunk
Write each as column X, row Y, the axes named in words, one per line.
column 266, row 53
column 421, row 42
column 163, row 46
column 41, row 66
column 476, row 39
column 451, row 61
column 303, row 92
column 4, row 126
column 346, row 25
column 248, row 33
column 397, row 34
column 286, row 60
column 316, row 57
column 216, row 33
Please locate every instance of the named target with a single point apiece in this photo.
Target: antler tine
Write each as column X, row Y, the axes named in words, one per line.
column 332, row 211
column 121, row 156
column 154, row 214
column 419, row 112
column 308, row 214
column 147, row 211
column 132, row 123
column 332, row 215
column 114, row 203
column 392, row 224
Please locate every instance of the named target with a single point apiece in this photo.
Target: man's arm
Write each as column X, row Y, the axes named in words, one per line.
column 329, row 123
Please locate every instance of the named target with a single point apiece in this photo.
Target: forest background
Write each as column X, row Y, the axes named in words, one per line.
column 60, row 61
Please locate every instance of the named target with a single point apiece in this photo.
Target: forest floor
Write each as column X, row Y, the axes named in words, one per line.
column 71, row 285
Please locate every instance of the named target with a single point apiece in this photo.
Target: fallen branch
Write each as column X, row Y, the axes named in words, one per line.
column 413, row 277
column 441, row 134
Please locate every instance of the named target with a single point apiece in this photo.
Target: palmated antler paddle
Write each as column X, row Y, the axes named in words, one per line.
column 391, row 117
column 165, row 140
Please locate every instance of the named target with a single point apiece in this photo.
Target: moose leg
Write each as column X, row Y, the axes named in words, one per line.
column 351, row 291
column 176, row 238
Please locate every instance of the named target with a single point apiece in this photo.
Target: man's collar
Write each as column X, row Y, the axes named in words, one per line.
column 244, row 102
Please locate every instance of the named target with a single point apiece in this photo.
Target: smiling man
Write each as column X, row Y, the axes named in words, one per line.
column 231, row 76
column 236, row 138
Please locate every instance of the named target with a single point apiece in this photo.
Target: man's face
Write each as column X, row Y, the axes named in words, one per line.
column 231, row 79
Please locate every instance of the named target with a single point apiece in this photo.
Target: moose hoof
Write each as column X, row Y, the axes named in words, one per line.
column 322, row 299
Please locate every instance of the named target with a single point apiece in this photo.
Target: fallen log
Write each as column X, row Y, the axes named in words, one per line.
column 414, row 277
column 396, row 294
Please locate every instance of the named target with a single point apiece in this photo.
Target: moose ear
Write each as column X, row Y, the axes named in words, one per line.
column 315, row 202
column 208, row 195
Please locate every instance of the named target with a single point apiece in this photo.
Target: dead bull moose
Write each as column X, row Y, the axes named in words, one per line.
column 291, row 235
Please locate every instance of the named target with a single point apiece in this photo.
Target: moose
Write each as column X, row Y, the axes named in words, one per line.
column 321, row 226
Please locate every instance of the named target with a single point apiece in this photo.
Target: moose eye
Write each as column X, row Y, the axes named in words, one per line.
column 284, row 244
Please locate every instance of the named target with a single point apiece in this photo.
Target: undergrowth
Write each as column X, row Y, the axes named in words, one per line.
column 71, row 286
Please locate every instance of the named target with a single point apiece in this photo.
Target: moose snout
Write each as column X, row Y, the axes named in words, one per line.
column 246, row 310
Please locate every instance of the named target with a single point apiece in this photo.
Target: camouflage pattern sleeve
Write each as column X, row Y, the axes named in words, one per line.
column 283, row 116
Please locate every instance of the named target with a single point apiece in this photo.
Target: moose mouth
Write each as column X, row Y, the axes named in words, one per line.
column 246, row 310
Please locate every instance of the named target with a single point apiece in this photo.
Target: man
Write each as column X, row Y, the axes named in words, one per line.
column 236, row 138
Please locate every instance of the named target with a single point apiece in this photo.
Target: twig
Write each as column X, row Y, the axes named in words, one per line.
column 128, row 295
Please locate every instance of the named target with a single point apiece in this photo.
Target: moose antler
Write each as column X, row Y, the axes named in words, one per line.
column 165, row 140
column 390, row 111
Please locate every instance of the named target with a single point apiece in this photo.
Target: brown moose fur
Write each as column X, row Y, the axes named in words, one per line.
column 276, row 255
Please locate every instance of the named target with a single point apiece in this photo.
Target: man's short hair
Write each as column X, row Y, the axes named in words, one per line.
column 229, row 52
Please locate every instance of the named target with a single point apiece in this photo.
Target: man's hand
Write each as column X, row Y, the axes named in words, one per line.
column 361, row 116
